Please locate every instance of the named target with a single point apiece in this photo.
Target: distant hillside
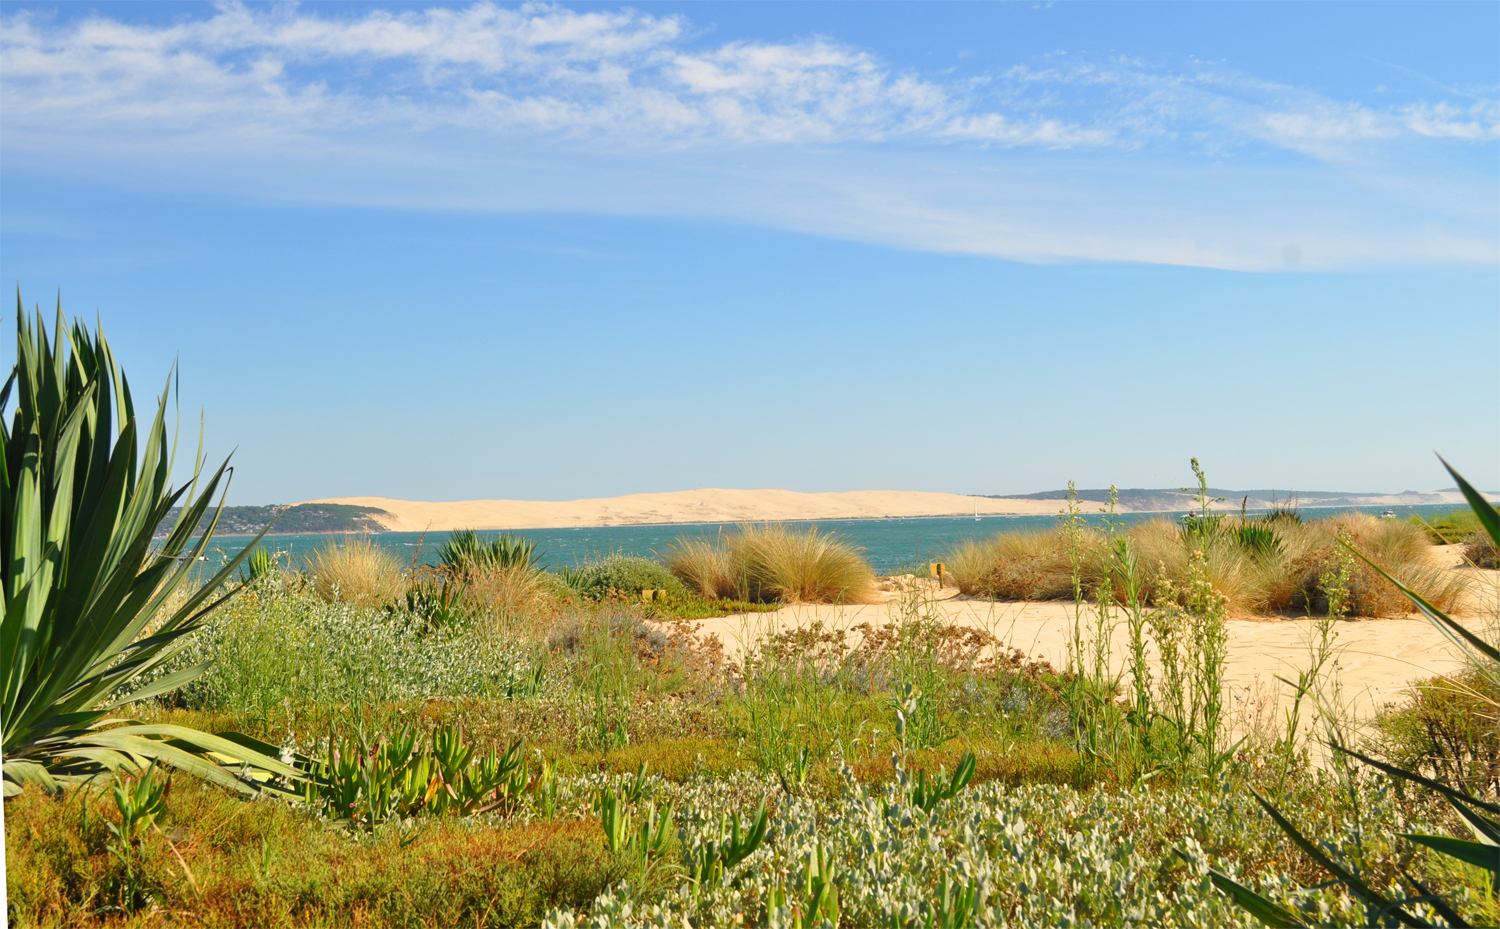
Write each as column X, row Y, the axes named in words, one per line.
column 304, row 518
column 1167, row 500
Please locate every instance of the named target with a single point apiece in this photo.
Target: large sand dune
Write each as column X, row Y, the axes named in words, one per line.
column 686, row 506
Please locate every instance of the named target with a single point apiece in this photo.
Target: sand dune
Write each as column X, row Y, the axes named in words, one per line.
column 686, row 506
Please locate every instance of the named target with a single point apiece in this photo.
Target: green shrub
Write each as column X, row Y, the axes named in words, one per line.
column 1480, row 551
column 1450, row 528
column 277, row 648
column 626, row 574
column 1446, row 730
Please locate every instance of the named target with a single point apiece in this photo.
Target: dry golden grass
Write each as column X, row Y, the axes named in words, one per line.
column 1034, row 565
column 705, row 567
column 356, row 570
column 507, row 594
column 1030, row 565
column 773, row 563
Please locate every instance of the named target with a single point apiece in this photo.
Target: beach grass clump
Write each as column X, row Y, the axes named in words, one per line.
column 355, row 570
column 706, row 567
column 1028, row 565
column 772, row 562
column 1399, row 547
column 1265, row 565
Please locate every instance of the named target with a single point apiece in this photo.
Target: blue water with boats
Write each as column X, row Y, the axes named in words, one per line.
column 888, row 544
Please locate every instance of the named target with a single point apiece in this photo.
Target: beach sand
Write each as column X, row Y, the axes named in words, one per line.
column 686, row 506
column 1376, row 659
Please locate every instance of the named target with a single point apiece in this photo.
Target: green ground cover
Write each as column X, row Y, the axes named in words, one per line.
column 354, row 743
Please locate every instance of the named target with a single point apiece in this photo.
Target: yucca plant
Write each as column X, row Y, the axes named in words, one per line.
column 1481, row 816
column 466, row 551
column 82, row 492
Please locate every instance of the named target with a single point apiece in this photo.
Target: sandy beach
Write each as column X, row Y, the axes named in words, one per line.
column 686, row 506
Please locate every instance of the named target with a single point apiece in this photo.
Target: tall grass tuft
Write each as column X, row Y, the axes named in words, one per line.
column 357, row 571
column 774, row 563
column 1266, row 565
column 705, row 567
column 1029, row 565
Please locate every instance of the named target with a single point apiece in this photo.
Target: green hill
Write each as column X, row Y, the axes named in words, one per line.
column 304, row 518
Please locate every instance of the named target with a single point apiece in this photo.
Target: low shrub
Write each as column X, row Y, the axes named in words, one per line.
column 626, row 574
column 1450, row 528
column 355, row 570
column 1481, row 552
column 1446, row 729
column 267, row 864
column 775, row 563
column 277, row 647
column 1003, row 762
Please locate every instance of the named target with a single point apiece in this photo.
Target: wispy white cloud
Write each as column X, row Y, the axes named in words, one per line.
column 626, row 75
column 1032, row 162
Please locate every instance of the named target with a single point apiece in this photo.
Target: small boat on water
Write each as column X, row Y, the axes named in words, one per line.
column 1387, row 514
column 976, row 512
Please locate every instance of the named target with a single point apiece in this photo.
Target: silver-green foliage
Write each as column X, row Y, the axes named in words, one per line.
column 280, row 646
column 82, row 490
column 988, row 856
column 627, row 574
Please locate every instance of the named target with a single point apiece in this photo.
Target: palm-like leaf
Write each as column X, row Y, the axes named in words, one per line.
column 82, row 492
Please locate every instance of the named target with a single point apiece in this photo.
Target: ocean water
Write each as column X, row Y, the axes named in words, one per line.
column 888, row 544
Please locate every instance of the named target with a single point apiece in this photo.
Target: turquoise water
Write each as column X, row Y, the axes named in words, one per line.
column 888, row 544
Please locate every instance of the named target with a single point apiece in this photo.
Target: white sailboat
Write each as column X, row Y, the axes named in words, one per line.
column 976, row 511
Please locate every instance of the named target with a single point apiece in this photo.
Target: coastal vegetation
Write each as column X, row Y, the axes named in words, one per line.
column 766, row 563
column 486, row 742
column 1267, row 564
column 297, row 519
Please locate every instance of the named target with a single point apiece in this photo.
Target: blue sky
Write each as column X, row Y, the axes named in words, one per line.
column 553, row 251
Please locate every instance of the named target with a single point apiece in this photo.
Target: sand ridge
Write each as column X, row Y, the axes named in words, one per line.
column 688, row 506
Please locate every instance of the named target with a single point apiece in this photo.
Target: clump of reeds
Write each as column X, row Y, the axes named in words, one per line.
column 357, row 571
column 774, row 563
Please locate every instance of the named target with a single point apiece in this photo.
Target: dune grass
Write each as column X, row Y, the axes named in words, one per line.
column 1261, row 566
column 357, row 571
column 771, row 562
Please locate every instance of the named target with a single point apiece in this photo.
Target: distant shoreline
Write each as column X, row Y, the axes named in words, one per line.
column 829, row 519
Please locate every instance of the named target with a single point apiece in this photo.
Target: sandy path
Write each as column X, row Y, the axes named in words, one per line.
column 1376, row 658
